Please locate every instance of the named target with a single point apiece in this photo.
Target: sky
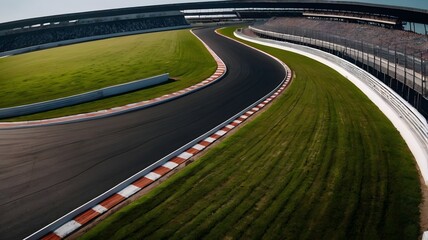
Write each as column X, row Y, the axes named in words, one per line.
column 11, row 10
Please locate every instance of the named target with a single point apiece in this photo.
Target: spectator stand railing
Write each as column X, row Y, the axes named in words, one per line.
column 406, row 112
column 416, row 120
column 409, row 70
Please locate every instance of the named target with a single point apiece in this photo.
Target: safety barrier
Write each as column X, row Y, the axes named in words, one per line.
column 82, row 98
column 398, row 103
column 415, row 121
column 66, row 218
column 409, row 69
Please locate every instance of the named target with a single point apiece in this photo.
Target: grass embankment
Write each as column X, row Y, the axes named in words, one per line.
column 74, row 69
column 321, row 163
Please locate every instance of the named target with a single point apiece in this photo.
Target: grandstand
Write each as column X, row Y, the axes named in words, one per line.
column 77, row 30
column 38, row 33
column 397, row 57
column 356, row 17
column 355, row 31
column 402, row 41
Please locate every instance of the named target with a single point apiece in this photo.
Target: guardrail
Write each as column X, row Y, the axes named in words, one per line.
column 412, row 116
column 414, row 119
column 82, row 98
column 411, row 72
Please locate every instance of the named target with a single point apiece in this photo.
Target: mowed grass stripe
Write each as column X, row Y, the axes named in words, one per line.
column 50, row 74
column 228, row 188
column 321, row 163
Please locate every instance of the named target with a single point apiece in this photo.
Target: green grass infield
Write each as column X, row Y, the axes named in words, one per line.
column 322, row 162
column 69, row 70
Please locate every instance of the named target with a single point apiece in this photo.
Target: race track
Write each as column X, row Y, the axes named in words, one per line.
column 45, row 172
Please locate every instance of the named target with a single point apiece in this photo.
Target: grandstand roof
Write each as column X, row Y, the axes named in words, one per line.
column 405, row 14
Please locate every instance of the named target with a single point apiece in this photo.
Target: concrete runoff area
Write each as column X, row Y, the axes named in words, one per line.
column 52, row 170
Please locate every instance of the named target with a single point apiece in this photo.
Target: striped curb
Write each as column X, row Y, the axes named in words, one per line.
column 172, row 161
column 110, row 202
column 217, row 75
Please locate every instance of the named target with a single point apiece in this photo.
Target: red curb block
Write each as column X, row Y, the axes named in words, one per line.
column 160, row 171
column 87, row 216
column 221, row 69
column 145, row 181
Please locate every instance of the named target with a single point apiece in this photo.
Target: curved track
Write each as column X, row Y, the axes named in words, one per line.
column 46, row 172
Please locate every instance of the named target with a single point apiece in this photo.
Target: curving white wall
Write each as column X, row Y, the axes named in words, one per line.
column 82, row 98
column 408, row 121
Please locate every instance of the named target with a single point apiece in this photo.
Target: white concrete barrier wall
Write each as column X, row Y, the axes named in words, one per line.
column 425, row 236
column 82, row 98
column 69, row 216
column 409, row 122
column 405, row 75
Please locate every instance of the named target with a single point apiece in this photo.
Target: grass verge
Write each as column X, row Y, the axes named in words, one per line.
column 321, row 163
column 74, row 69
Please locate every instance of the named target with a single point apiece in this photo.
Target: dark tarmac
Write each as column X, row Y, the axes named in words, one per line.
column 45, row 172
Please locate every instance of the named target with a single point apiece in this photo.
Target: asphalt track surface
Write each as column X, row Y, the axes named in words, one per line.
column 46, row 172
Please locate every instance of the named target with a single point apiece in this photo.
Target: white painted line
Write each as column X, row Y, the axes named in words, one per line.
column 237, row 121
column 67, row 228
column 170, row 165
column 244, row 117
column 99, row 209
column 221, row 132
column 230, row 126
column 250, row 112
column 198, row 147
column 209, row 139
column 129, row 191
column 185, row 155
column 255, row 109
column 152, row 176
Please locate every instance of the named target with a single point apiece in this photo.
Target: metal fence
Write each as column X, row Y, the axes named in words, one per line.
column 403, row 71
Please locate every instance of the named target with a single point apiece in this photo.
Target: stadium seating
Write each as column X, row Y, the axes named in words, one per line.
column 403, row 41
column 56, row 34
